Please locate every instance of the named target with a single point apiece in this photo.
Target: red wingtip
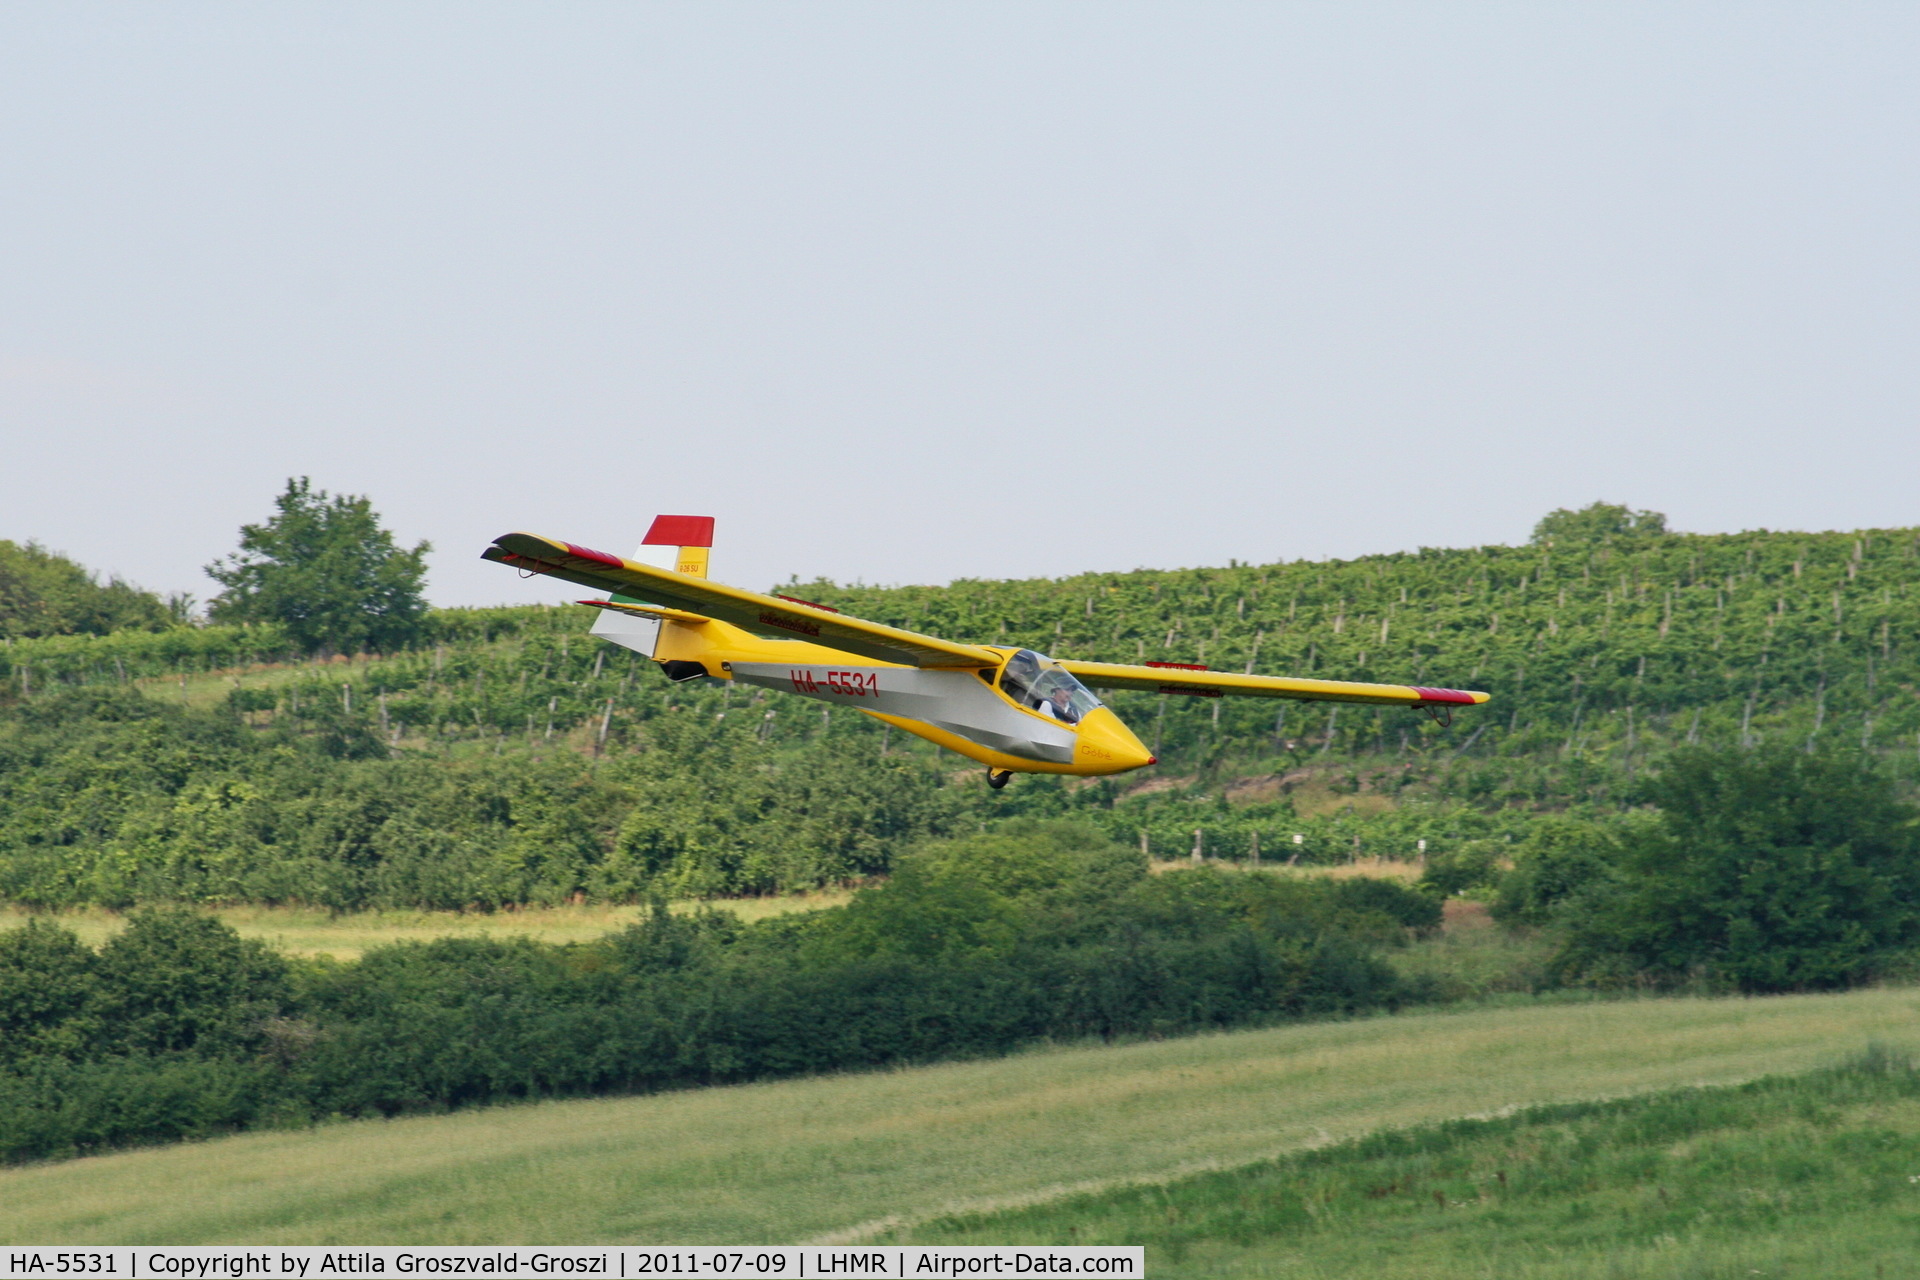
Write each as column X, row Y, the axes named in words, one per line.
column 1449, row 697
column 1153, row 759
column 680, row 531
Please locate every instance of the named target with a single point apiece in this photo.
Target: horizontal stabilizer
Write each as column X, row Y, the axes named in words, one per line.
column 642, row 610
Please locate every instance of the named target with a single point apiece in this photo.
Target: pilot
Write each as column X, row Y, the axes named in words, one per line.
column 1059, row 705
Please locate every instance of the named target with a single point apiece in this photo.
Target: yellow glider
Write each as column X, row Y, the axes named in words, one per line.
column 1013, row 710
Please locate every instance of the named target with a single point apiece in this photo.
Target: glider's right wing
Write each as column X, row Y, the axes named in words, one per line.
column 1214, row 684
column 774, row 617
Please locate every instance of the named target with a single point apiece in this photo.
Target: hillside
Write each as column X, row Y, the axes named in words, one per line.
column 1605, row 641
column 1762, row 630
column 849, row 1156
column 1597, row 644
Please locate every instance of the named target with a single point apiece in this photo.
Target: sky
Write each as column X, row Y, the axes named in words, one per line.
column 903, row 293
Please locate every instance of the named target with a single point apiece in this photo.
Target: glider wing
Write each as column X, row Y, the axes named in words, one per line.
column 1198, row 681
column 774, row 617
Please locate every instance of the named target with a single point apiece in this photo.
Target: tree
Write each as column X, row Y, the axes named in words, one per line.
column 1769, row 870
column 1600, row 522
column 324, row 569
column 43, row 593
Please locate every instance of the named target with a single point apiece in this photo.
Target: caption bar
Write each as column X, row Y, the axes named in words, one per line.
column 795, row 1262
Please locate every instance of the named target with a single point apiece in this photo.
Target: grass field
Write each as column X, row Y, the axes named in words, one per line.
column 310, row 931
column 1371, row 868
column 1472, row 958
column 849, row 1157
column 1810, row 1175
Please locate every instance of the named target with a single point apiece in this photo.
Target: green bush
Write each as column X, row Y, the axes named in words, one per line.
column 1560, row 862
column 1768, row 870
column 712, row 808
column 43, row 593
column 53, row 1107
column 1463, row 869
column 49, row 993
column 1409, row 908
column 1048, row 863
column 174, row 981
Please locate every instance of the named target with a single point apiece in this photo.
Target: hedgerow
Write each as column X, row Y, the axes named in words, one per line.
column 177, row 1028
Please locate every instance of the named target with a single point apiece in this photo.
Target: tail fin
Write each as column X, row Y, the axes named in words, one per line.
column 692, row 534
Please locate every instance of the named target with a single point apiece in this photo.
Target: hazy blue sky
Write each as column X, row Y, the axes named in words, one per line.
column 908, row 292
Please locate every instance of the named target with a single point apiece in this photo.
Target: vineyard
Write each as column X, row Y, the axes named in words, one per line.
column 512, row 757
column 1600, row 650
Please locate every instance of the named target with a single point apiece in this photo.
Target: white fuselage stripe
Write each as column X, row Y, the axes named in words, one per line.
column 959, row 702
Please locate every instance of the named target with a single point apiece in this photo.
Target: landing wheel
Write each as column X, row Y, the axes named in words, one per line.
column 998, row 778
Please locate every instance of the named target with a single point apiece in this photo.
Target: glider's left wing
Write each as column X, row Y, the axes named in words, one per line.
column 1214, row 684
column 774, row 617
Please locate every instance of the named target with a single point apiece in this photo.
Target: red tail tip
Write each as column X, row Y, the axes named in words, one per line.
column 680, row 531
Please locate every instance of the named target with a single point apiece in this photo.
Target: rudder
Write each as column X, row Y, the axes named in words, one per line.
column 693, row 536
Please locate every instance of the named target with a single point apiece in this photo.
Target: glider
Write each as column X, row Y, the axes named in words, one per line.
column 1011, row 709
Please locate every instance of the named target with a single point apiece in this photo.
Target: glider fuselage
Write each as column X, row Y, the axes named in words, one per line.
column 963, row 709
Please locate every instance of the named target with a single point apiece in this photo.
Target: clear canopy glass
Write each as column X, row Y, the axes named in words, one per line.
column 1038, row 683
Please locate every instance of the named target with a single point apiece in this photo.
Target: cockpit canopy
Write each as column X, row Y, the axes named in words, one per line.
column 1038, row 683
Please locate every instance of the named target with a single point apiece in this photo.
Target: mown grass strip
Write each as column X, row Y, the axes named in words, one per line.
column 847, row 1156
column 1788, row 1175
column 346, row 935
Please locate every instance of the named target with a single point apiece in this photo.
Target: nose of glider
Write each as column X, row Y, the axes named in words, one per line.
column 1105, row 745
